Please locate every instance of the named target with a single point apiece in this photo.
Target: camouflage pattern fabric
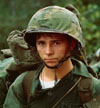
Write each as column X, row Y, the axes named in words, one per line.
column 20, row 50
column 59, row 20
column 73, row 9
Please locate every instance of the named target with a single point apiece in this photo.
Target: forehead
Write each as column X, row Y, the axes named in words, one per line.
column 51, row 36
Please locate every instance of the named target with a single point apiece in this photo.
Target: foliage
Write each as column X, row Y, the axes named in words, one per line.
column 17, row 13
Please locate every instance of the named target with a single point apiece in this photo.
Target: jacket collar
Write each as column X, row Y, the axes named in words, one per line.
column 80, row 68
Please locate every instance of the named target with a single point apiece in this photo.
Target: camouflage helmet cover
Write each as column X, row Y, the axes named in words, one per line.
column 54, row 19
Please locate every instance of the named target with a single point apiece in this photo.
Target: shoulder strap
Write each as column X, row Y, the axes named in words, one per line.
column 66, row 93
column 27, row 84
column 85, row 87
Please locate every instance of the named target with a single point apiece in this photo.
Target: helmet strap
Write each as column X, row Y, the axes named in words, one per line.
column 55, row 78
column 59, row 64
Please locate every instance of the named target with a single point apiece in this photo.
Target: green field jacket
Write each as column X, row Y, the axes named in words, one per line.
column 48, row 98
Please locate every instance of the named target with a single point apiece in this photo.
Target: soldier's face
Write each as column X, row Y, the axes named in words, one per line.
column 52, row 48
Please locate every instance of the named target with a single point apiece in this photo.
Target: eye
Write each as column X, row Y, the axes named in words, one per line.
column 40, row 43
column 57, row 42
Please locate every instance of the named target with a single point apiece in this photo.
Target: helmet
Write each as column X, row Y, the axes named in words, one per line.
column 54, row 19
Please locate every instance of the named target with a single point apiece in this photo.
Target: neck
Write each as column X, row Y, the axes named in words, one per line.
column 49, row 74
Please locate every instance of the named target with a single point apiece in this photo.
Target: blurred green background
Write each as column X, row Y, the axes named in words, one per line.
column 15, row 14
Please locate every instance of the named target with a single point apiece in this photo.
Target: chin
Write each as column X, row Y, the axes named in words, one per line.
column 51, row 66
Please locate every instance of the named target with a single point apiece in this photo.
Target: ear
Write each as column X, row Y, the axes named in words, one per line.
column 72, row 44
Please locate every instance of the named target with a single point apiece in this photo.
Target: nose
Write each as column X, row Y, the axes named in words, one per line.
column 49, row 50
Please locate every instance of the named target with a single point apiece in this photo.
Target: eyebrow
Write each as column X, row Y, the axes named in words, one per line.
column 51, row 40
column 58, row 40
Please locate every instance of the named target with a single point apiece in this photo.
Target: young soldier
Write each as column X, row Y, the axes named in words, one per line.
column 61, row 81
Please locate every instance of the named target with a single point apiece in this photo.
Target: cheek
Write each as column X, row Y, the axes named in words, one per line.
column 40, row 52
column 63, row 50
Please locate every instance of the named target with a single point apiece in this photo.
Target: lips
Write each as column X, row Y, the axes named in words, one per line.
column 50, row 60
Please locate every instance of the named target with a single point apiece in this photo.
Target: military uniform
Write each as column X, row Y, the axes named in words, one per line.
column 47, row 98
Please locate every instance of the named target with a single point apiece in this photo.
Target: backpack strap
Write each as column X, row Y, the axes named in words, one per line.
column 27, row 84
column 85, row 87
column 67, row 92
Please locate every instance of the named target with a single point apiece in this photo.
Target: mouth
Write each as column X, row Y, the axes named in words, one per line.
column 51, row 60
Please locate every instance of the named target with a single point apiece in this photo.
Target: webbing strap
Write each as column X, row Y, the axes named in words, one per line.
column 67, row 92
column 85, row 89
column 27, row 84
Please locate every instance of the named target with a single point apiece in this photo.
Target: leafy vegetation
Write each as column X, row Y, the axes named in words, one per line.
column 15, row 14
